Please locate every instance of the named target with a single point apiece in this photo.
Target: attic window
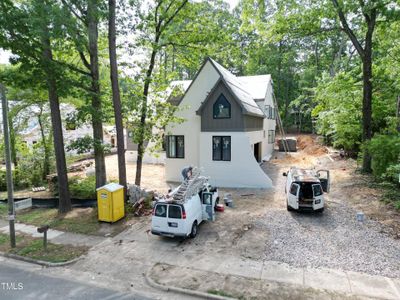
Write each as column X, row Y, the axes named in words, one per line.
column 222, row 108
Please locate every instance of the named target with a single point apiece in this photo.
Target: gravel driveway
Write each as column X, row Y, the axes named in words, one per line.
column 333, row 239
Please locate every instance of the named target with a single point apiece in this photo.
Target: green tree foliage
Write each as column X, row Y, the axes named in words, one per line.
column 385, row 152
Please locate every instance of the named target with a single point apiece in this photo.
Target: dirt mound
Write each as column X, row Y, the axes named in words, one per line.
column 304, row 141
column 309, row 145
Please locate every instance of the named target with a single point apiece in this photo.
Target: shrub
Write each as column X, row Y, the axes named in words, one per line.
column 83, row 188
column 392, row 173
column 385, row 152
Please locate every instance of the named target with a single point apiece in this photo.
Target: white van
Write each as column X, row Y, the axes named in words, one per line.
column 305, row 189
column 181, row 218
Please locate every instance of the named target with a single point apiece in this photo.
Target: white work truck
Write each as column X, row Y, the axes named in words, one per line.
column 305, row 189
column 182, row 210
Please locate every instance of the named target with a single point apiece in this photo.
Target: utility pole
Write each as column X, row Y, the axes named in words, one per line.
column 10, row 187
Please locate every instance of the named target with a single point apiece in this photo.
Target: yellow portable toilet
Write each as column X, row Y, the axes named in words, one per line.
column 110, row 202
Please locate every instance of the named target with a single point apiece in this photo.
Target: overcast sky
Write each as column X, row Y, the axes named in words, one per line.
column 4, row 55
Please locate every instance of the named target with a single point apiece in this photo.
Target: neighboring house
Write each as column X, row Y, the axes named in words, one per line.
column 31, row 135
column 229, row 127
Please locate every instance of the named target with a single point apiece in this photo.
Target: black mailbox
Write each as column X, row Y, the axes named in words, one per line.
column 43, row 229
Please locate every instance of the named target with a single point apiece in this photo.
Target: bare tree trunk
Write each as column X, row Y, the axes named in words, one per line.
column 97, row 123
column 365, row 53
column 46, row 159
column 13, row 147
column 139, row 161
column 367, row 106
column 116, row 95
column 62, row 177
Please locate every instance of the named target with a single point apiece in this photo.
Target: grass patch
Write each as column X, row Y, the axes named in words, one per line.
column 83, row 221
column 33, row 248
column 3, row 210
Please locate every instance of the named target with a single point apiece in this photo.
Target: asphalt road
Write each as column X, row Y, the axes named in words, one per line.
column 16, row 283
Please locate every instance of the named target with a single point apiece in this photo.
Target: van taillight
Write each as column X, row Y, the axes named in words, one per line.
column 183, row 215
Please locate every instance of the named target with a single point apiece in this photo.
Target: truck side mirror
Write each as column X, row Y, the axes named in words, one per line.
column 284, row 174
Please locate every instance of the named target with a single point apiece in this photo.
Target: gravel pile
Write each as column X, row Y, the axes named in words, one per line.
column 334, row 239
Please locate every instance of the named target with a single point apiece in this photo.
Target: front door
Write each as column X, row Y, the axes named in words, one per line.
column 208, row 207
column 257, row 152
column 293, row 196
column 323, row 176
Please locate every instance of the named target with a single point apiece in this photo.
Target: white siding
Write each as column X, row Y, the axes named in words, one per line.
column 196, row 93
column 242, row 171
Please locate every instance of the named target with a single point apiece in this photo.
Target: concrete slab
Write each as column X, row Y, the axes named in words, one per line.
column 238, row 266
column 207, row 262
column 395, row 282
column 77, row 239
column 371, row 286
column 327, row 279
column 282, row 272
column 32, row 230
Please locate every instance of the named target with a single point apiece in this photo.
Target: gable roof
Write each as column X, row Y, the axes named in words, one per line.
column 177, row 90
column 246, row 90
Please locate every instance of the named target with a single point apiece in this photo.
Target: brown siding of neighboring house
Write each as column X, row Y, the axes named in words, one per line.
column 237, row 122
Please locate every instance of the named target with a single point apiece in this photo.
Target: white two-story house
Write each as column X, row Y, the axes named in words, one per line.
column 229, row 127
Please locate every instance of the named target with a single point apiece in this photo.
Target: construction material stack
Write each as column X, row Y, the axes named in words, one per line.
column 190, row 187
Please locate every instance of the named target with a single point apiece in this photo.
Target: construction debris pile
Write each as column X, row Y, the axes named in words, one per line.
column 140, row 200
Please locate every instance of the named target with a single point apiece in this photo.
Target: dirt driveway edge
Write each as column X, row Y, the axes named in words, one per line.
column 162, row 287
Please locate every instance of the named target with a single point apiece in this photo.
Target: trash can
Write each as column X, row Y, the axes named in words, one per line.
column 110, row 202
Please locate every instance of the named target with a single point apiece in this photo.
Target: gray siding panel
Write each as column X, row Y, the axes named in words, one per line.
column 237, row 122
column 208, row 123
column 252, row 123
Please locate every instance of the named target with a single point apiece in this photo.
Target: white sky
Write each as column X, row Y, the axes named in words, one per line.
column 4, row 55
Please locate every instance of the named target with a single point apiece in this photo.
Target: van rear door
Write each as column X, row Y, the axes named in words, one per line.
column 208, row 204
column 176, row 219
column 324, row 178
column 317, row 194
column 293, row 195
column 159, row 219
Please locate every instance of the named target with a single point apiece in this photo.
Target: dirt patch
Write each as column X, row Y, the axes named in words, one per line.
column 79, row 212
column 304, row 141
column 310, row 145
column 235, row 286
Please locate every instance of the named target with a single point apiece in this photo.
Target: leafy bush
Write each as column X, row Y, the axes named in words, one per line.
column 392, row 173
column 20, row 181
column 385, row 153
column 83, row 188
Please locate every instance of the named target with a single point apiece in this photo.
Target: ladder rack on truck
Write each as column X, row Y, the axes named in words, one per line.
column 190, row 187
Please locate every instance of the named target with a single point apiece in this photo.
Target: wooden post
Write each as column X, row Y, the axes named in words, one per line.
column 10, row 186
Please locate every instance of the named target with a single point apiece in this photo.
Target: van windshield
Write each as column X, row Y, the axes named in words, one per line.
column 174, row 212
column 161, row 210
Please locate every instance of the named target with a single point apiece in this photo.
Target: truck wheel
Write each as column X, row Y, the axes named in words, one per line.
column 193, row 233
column 321, row 210
column 289, row 208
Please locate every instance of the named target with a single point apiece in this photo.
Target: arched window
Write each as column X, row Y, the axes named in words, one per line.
column 222, row 108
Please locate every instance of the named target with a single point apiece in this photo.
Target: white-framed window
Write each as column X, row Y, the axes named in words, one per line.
column 271, row 136
column 221, row 146
column 175, row 146
column 270, row 112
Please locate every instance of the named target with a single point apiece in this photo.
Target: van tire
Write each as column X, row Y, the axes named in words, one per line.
column 289, row 208
column 193, row 232
column 321, row 210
